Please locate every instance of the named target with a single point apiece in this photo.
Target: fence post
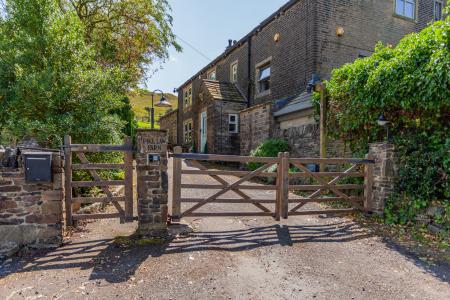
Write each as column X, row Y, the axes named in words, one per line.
column 176, row 192
column 128, row 161
column 285, row 184
column 68, row 179
column 279, row 186
column 368, row 184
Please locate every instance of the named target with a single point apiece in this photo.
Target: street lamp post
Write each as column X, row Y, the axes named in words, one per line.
column 383, row 122
column 162, row 103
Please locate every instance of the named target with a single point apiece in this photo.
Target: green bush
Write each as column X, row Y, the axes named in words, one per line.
column 423, row 178
column 269, row 148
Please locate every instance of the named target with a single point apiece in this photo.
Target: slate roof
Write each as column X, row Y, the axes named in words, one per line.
column 301, row 102
column 223, row 91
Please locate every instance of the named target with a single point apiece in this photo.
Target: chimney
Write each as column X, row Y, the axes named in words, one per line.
column 230, row 44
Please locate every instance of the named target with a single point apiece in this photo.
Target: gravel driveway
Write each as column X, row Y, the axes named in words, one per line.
column 305, row 257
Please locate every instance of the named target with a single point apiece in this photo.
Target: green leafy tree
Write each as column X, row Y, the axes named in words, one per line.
column 410, row 85
column 131, row 34
column 50, row 81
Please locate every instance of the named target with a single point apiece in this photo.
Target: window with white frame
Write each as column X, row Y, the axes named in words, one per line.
column 233, row 123
column 234, row 72
column 187, row 131
column 263, row 77
column 212, row 75
column 438, row 10
column 406, row 8
column 187, row 97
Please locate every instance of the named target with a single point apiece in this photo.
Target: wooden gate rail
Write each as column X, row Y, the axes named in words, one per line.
column 325, row 185
column 223, row 186
column 326, row 182
column 125, row 214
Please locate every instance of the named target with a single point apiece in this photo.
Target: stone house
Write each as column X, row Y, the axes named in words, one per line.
column 169, row 122
column 257, row 88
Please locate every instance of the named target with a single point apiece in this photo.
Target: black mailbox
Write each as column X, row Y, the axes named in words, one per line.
column 152, row 157
column 38, row 166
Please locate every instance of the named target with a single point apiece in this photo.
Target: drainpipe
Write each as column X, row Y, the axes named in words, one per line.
column 249, row 69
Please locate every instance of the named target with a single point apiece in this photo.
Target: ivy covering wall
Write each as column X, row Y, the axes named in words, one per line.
column 410, row 85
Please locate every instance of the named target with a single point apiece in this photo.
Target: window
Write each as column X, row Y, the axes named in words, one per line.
column 264, row 78
column 438, row 8
column 187, row 131
column 212, row 75
column 187, row 96
column 234, row 72
column 406, row 8
column 233, row 123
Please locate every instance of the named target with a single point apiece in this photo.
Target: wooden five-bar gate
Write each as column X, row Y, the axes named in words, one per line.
column 313, row 187
column 124, row 212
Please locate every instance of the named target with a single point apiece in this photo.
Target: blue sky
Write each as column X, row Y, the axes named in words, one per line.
column 207, row 25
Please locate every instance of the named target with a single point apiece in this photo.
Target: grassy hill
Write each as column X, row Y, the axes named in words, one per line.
column 142, row 99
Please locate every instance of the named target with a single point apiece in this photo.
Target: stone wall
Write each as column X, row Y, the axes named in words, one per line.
column 223, row 141
column 256, row 124
column 30, row 213
column 169, row 123
column 152, row 182
column 385, row 173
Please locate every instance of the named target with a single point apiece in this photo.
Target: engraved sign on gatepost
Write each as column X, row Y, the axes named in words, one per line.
column 152, row 142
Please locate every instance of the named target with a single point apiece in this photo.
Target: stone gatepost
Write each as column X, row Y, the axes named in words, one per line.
column 152, row 182
column 384, row 174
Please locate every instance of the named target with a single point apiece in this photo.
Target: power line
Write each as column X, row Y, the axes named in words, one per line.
column 193, row 48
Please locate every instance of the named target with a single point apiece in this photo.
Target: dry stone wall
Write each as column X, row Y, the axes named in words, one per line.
column 31, row 213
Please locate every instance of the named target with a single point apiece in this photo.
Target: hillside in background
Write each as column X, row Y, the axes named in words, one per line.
column 142, row 99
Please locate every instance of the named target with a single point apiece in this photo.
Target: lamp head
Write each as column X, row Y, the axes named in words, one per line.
column 382, row 121
column 163, row 102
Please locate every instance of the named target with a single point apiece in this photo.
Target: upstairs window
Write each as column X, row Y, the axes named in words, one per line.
column 263, row 78
column 212, row 75
column 438, row 8
column 406, row 8
column 233, row 123
column 234, row 72
column 187, row 131
column 187, row 97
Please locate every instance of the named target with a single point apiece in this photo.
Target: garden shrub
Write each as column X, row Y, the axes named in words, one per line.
column 269, row 148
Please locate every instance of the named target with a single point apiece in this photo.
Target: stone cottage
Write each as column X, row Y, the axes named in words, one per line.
column 257, row 88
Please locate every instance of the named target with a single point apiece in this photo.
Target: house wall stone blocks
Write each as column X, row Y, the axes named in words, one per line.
column 30, row 213
column 169, row 123
column 255, row 127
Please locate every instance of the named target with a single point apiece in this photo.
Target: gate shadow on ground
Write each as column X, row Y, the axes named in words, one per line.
column 114, row 263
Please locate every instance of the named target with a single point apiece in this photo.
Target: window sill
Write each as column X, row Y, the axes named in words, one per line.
column 412, row 20
column 262, row 94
